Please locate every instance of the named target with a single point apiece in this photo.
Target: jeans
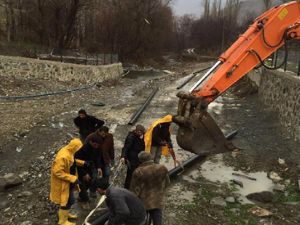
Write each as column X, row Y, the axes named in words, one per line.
column 155, row 215
column 106, row 171
column 156, row 153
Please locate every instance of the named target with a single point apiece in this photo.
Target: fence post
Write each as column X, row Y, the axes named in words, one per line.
column 298, row 74
column 61, row 57
column 97, row 59
column 104, row 59
column 86, row 59
column 111, row 58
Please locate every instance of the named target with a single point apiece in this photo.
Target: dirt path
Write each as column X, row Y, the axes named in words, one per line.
column 35, row 129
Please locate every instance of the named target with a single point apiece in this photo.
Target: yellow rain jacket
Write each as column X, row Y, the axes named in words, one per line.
column 148, row 134
column 60, row 172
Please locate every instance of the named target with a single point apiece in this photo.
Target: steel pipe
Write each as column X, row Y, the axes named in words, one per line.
column 137, row 114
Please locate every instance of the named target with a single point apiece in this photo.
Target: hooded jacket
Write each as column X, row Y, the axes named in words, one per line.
column 149, row 135
column 61, row 177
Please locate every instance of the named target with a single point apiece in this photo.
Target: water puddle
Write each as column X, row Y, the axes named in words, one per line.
column 216, row 171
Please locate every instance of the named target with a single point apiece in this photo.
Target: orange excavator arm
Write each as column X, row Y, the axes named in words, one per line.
column 197, row 131
column 267, row 34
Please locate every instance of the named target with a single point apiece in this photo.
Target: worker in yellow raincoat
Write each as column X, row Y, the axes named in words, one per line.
column 64, row 180
column 158, row 139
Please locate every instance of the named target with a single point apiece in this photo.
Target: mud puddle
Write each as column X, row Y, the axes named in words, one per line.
column 215, row 170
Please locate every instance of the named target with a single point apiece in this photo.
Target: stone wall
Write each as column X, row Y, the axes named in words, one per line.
column 281, row 91
column 34, row 68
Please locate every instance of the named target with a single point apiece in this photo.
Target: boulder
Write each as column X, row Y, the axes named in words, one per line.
column 264, row 196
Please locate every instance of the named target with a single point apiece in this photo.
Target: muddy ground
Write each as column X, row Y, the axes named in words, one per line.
column 33, row 130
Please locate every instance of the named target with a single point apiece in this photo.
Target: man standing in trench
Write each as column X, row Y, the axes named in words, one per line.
column 64, row 179
column 149, row 183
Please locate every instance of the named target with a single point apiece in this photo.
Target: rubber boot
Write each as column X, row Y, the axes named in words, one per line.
column 63, row 217
column 72, row 216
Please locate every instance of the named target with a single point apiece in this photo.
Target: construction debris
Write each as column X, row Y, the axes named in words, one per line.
column 244, row 176
column 260, row 212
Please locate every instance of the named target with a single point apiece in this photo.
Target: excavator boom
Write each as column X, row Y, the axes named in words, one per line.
column 197, row 131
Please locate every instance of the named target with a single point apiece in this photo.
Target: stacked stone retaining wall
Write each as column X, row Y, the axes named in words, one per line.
column 33, row 68
column 281, row 91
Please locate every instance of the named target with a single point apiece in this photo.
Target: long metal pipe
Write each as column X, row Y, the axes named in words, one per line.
column 206, row 75
column 191, row 77
column 101, row 219
column 137, row 114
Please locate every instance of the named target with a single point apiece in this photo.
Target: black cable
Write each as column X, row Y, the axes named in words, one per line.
column 45, row 94
column 283, row 38
column 262, row 63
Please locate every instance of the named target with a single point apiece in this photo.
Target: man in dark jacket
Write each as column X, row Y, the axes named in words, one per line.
column 106, row 149
column 160, row 137
column 86, row 124
column 134, row 144
column 124, row 207
column 87, row 175
column 149, row 183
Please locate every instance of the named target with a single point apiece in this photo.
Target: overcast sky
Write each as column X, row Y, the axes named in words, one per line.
column 182, row 7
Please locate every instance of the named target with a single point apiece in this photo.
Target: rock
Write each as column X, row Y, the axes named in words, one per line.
column 279, row 187
column 264, row 196
column 274, row 176
column 9, row 180
column 281, row 161
column 3, row 202
column 230, row 199
column 25, row 194
column 189, row 180
column 2, row 184
column 260, row 212
column 237, row 182
column 218, row 201
column 26, row 223
column 235, row 210
column 291, row 203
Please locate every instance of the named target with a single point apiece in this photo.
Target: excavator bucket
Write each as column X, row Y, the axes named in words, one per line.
column 198, row 132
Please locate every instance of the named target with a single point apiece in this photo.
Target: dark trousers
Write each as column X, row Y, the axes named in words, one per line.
column 71, row 200
column 155, row 216
column 130, row 170
column 84, row 187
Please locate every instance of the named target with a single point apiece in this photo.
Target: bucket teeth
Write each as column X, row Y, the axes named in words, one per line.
column 198, row 132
